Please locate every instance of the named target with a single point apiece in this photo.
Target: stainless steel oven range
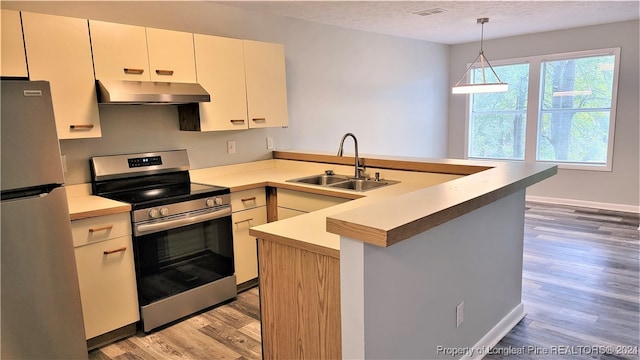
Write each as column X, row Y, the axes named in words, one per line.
column 182, row 232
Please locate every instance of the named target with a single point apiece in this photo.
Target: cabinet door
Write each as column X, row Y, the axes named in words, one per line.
column 244, row 245
column 107, row 285
column 285, row 213
column 304, row 201
column 119, row 51
column 220, row 70
column 171, row 56
column 58, row 50
column 13, row 62
column 266, row 84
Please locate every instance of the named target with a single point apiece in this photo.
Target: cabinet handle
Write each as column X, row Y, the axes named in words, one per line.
column 81, row 127
column 133, row 71
column 101, row 228
column 164, row 72
column 253, row 198
column 241, row 221
column 107, row 252
column 237, row 121
column 259, row 119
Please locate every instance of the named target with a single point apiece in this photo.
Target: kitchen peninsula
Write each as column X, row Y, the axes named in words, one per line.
column 332, row 286
column 331, row 283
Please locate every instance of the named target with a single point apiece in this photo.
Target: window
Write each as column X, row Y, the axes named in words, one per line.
column 497, row 120
column 569, row 121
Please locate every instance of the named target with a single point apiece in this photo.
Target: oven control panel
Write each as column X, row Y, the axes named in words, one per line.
column 144, row 161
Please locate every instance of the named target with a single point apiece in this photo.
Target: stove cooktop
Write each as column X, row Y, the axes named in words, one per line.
column 148, row 179
column 154, row 196
column 162, row 195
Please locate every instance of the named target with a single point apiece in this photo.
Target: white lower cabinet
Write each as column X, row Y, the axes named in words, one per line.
column 245, row 251
column 106, row 273
column 285, row 213
column 293, row 203
column 249, row 209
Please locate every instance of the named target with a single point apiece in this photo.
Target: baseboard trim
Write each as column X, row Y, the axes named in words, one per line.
column 583, row 203
column 490, row 339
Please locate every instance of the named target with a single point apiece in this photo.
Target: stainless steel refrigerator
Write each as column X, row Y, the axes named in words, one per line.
column 40, row 309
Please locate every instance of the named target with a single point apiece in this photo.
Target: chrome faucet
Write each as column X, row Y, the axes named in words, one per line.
column 358, row 168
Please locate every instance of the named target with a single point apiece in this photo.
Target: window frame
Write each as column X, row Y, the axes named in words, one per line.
column 535, row 93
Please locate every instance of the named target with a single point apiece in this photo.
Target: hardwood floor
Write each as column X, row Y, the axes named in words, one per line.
column 580, row 286
column 580, row 291
column 229, row 331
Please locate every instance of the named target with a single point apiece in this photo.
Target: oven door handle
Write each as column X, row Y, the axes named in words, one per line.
column 142, row 229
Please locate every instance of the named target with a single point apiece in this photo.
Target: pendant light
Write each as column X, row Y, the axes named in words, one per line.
column 484, row 86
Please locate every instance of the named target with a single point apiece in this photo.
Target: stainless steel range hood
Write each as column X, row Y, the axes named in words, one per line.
column 149, row 92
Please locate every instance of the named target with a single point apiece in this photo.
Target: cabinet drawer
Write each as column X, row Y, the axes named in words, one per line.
column 107, row 281
column 307, row 202
column 100, row 228
column 248, row 199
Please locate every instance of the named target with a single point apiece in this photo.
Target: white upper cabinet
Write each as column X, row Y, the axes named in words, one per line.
column 13, row 62
column 247, row 83
column 119, row 51
column 171, row 56
column 266, row 84
column 128, row 52
column 220, row 70
column 59, row 51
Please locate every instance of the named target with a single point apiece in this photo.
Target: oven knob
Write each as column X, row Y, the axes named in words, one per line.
column 164, row 211
column 213, row 202
column 154, row 213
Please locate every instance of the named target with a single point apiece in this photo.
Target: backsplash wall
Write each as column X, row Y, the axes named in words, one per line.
column 145, row 128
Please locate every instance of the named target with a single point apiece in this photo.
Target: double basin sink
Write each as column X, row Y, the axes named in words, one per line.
column 343, row 182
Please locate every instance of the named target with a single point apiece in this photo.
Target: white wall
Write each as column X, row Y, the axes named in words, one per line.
column 391, row 92
column 400, row 302
column 618, row 187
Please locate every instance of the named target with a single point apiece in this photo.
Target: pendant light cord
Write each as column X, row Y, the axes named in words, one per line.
column 480, row 57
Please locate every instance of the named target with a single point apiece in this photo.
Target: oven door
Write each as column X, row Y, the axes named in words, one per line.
column 182, row 252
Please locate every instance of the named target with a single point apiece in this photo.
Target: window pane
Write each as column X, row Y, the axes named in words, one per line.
column 575, row 110
column 497, row 120
column 577, row 137
column 498, row 136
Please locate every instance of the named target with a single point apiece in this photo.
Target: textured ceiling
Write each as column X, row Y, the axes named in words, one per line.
column 456, row 23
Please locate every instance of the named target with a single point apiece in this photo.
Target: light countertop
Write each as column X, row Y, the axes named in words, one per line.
column 83, row 205
column 430, row 192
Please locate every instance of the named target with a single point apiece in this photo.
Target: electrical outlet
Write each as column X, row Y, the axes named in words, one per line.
column 270, row 143
column 459, row 314
column 231, row 147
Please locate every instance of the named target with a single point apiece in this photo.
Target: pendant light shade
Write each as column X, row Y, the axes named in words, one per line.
column 484, row 86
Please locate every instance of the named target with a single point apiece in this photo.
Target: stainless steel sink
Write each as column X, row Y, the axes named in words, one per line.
column 323, row 179
column 343, row 182
column 362, row 184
